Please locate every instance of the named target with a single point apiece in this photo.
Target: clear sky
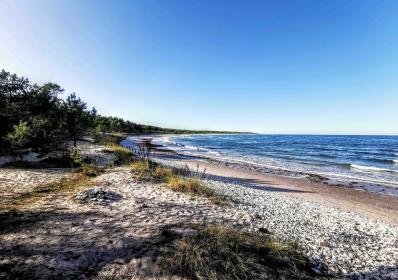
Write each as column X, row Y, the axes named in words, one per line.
column 262, row 66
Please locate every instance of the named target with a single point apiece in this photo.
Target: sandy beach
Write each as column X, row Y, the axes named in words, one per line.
column 372, row 205
column 311, row 200
column 76, row 233
column 378, row 206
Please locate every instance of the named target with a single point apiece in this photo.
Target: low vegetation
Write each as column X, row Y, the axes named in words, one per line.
column 71, row 183
column 194, row 186
column 219, row 252
column 123, row 155
column 150, row 171
column 176, row 179
column 90, row 169
column 108, row 138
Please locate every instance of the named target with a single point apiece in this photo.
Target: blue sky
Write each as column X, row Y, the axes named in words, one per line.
column 262, row 66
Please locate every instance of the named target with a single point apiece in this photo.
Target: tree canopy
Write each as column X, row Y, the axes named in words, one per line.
column 36, row 117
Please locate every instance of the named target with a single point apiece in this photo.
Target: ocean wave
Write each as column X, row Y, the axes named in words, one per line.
column 381, row 160
column 186, row 149
column 372, row 168
column 191, row 147
column 164, row 141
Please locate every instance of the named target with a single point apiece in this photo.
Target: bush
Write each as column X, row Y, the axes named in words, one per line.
column 218, row 252
column 76, row 157
column 20, row 137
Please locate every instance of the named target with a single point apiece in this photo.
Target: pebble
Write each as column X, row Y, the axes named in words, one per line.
column 331, row 237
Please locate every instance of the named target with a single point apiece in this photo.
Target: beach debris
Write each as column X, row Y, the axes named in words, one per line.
column 98, row 195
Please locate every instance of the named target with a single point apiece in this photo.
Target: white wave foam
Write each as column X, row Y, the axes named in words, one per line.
column 163, row 140
column 395, row 160
column 191, row 147
column 183, row 149
column 372, row 168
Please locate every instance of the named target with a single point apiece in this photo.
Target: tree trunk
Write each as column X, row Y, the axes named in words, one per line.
column 74, row 140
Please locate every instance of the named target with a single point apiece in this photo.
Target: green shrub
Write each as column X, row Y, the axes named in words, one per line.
column 76, row 157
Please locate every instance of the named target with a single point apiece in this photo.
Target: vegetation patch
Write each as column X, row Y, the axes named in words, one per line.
column 194, row 186
column 107, row 138
column 176, row 179
column 147, row 170
column 90, row 169
column 123, row 155
column 68, row 184
column 219, row 252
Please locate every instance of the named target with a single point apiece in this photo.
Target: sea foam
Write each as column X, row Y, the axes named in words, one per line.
column 372, row 168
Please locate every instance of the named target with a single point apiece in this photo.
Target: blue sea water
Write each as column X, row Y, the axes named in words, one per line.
column 364, row 159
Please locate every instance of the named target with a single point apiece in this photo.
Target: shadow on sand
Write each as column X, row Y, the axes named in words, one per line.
column 53, row 245
column 61, row 244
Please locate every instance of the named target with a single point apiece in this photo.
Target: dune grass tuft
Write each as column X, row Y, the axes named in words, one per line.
column 146, row 170
column 150, row 171
column 194, row 186
column 219, row 252
column 123, row 154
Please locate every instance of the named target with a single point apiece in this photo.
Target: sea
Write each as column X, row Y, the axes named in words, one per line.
column 367, row 162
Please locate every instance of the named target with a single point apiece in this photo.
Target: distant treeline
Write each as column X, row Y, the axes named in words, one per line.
column 35, row 117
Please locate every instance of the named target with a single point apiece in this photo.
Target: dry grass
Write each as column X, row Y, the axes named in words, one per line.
column 163, row 173
column 90, row 170
column 105, row 138
column 123, row 154
column 140, row 166
column 218, row 252
column 146, row 170
column 72, row 183
column 194, row 186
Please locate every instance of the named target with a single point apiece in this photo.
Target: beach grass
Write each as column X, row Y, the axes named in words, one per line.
column 172, row 178
column 106, row 138
column 90, row 169
column 71, row 183
column 195, row 187
column 123, row 155
column 222, row 252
